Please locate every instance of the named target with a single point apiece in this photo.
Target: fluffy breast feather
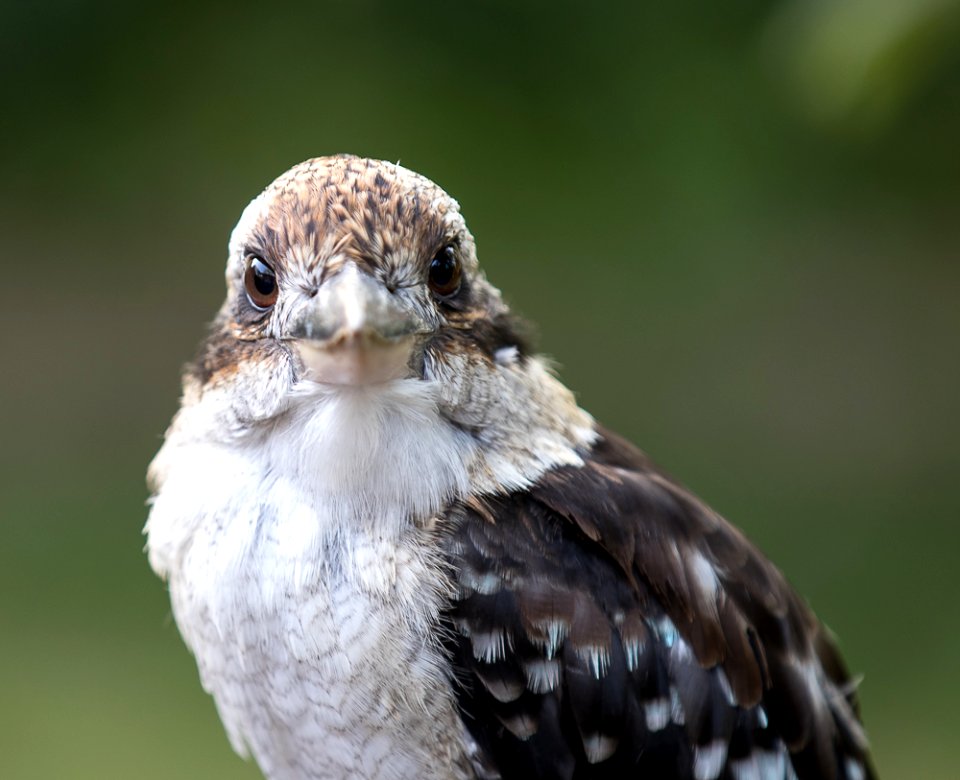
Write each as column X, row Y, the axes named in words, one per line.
column 304, row 578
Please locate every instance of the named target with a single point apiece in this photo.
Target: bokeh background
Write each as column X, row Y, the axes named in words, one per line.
column 737, row 225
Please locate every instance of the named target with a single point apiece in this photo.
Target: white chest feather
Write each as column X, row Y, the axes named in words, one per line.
column 302, row 577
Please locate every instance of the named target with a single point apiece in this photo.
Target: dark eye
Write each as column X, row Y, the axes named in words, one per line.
column 445, row 272
column 260, row 282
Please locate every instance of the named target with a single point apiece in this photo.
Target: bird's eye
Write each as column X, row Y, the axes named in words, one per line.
column 260, row 282
column 445, row 272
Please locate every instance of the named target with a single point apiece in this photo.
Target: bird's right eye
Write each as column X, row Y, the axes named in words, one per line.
column 260, row 282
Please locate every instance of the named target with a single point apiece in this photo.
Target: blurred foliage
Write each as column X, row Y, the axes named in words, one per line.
column 859, row 64
column 735, row 224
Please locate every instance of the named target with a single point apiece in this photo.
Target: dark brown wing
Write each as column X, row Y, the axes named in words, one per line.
column 611, row 625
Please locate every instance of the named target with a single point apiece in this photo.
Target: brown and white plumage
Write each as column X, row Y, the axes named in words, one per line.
column 398, row 548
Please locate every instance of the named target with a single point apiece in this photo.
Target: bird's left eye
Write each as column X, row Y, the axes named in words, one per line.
column 260, row 282
column 444, row 276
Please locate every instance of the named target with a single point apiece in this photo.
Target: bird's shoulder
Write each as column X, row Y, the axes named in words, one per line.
column 608, row 622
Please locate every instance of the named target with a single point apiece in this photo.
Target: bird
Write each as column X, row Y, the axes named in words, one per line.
column 398, row 548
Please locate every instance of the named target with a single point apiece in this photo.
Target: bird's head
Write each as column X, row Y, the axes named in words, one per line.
column 351, row 273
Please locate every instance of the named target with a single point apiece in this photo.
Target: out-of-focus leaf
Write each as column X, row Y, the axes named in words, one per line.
column 855, row 65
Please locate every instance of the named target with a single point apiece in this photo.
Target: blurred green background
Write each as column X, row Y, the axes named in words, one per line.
column 736, row 224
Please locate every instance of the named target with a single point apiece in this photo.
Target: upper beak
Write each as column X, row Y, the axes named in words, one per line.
column 354, row 331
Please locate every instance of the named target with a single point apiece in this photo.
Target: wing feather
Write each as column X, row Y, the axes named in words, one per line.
column 609, row 624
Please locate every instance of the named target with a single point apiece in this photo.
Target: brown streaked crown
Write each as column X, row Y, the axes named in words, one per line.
column 367, row 211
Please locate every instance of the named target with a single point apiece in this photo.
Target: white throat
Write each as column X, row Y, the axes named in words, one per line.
column 375, row 454
column 339, row 463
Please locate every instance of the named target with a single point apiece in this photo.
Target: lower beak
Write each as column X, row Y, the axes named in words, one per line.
column 355, row 332
column 355, row 361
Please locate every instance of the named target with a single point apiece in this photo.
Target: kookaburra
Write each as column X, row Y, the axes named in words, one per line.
column 398, row 548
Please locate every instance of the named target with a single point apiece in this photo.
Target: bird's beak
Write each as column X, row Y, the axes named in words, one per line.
column 354, row 331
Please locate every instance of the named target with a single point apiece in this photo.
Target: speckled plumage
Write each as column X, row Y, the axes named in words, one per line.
column 399, row 549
